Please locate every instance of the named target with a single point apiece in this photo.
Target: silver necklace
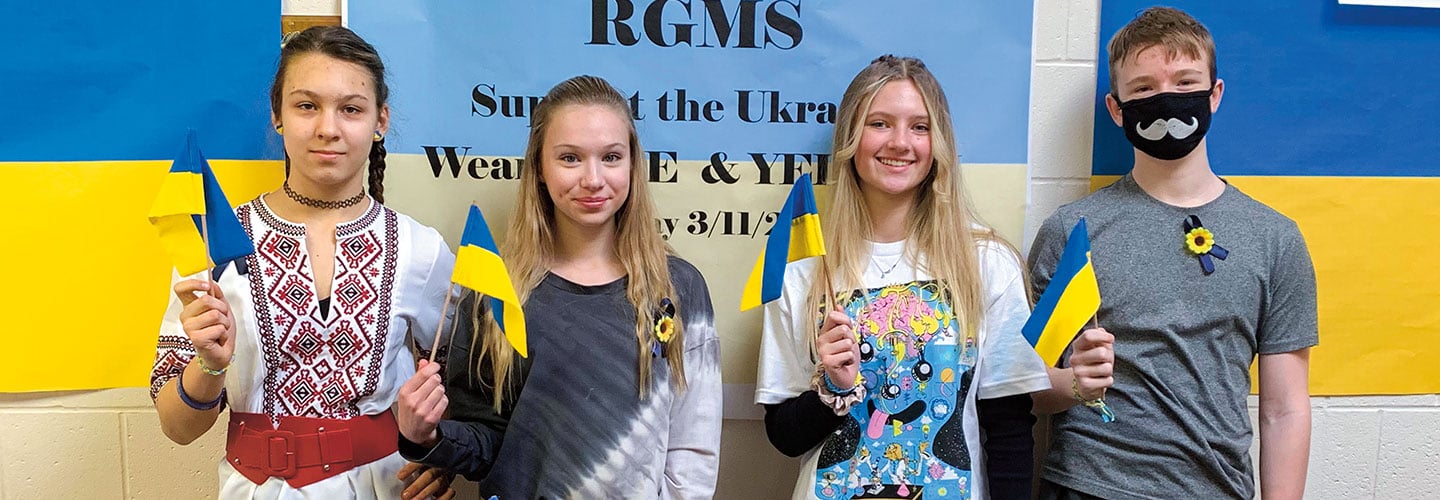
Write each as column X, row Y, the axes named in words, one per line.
column 881, row 267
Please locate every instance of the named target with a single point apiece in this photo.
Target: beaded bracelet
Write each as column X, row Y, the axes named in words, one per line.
column 1098, row 403
column 180, row 386
column 834, row 389
column 209, row 371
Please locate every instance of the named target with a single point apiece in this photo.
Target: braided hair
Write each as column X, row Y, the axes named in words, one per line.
column 343, row 44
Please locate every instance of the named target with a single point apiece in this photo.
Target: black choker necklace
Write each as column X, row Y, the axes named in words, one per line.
column 324, row 204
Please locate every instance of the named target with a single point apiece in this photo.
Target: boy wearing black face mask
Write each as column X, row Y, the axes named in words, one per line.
column 1196, row 280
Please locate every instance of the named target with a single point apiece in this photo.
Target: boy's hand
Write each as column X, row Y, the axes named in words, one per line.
column 839, row 353
column 1093, row 360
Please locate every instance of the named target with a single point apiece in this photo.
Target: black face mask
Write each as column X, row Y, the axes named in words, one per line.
column 1167, row 126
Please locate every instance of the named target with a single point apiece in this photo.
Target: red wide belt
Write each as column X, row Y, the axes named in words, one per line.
column 303, row 450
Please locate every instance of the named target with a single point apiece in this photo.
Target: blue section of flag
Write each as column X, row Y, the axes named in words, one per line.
column 477, row 232
column 228, row 240
column 777, row 248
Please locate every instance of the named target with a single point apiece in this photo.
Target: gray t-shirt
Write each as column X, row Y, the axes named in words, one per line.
column 1184, row 340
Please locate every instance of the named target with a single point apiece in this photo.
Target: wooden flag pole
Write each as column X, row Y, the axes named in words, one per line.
column 205, row 242
column 440, row 326
column 454, row 325
column 829, row 284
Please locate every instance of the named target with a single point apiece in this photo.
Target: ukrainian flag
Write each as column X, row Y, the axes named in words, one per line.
column 191, row 211
column 796, row 235
column 1072, row 297
column 479, row 267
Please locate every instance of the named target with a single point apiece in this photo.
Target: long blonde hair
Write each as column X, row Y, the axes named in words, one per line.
column 529, row 248
column 941, row 227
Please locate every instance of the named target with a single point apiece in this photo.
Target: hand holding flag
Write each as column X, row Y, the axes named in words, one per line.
column 1072, row 298
column 197, row 228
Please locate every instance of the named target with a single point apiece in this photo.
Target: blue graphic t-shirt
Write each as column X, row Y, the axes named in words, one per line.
column 916, row 372
column 915, row 435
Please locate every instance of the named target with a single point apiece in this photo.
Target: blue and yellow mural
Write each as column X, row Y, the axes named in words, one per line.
column 98, row 100
column 1329, row 118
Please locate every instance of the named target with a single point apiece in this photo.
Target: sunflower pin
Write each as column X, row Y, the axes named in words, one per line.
column 1201, row 242
column 664, row 326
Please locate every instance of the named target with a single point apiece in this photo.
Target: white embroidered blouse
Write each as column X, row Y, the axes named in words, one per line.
column 391, row 277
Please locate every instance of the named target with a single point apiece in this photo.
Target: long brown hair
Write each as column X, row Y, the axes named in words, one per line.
column 529, row 248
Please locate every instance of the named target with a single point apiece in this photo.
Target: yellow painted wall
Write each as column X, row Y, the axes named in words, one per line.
column 1375, row 258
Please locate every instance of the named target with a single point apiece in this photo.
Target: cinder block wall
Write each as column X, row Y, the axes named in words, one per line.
column 1360, row 447
column 107, row 444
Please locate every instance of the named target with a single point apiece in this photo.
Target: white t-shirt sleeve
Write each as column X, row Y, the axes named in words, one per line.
column 1010, row 365
column 785, row 364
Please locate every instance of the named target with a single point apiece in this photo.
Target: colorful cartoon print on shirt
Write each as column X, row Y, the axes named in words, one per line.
column 907, row 439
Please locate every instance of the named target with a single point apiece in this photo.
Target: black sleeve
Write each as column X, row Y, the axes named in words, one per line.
column 470, row 438
column 800, row 423
column 467, row 448
column 1006, row 424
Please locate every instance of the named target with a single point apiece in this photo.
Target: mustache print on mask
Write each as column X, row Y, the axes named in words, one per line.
column 1176, row 127
column 1167, row 126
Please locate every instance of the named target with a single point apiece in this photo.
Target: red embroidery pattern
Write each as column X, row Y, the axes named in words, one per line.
column 320, row 367
column 172, row 353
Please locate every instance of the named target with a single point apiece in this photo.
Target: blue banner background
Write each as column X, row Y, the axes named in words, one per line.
column 439, row 51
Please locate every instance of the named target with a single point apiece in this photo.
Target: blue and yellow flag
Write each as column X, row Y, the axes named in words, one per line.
column 479, row 267
column 796, row 235
column 191, row 204
column 1072, row 297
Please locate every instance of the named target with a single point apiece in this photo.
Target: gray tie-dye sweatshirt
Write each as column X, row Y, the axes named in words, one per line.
column 577, row 428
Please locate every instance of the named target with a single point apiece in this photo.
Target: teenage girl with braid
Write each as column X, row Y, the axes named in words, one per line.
column 307, row 342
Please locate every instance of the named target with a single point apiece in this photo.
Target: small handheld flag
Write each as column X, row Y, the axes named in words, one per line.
column 795, row 235
column 1072, row 297
column 478, row 267
column 196, row 223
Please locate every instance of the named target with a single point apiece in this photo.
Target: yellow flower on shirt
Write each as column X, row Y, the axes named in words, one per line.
column 1199, row 241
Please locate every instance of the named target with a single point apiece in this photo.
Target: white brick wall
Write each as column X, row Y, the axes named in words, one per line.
column 107, row 444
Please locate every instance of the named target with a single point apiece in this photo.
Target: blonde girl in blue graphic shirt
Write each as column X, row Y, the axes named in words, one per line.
column 922, row 354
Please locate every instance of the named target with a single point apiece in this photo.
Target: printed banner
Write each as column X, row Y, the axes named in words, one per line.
column 734, row 99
